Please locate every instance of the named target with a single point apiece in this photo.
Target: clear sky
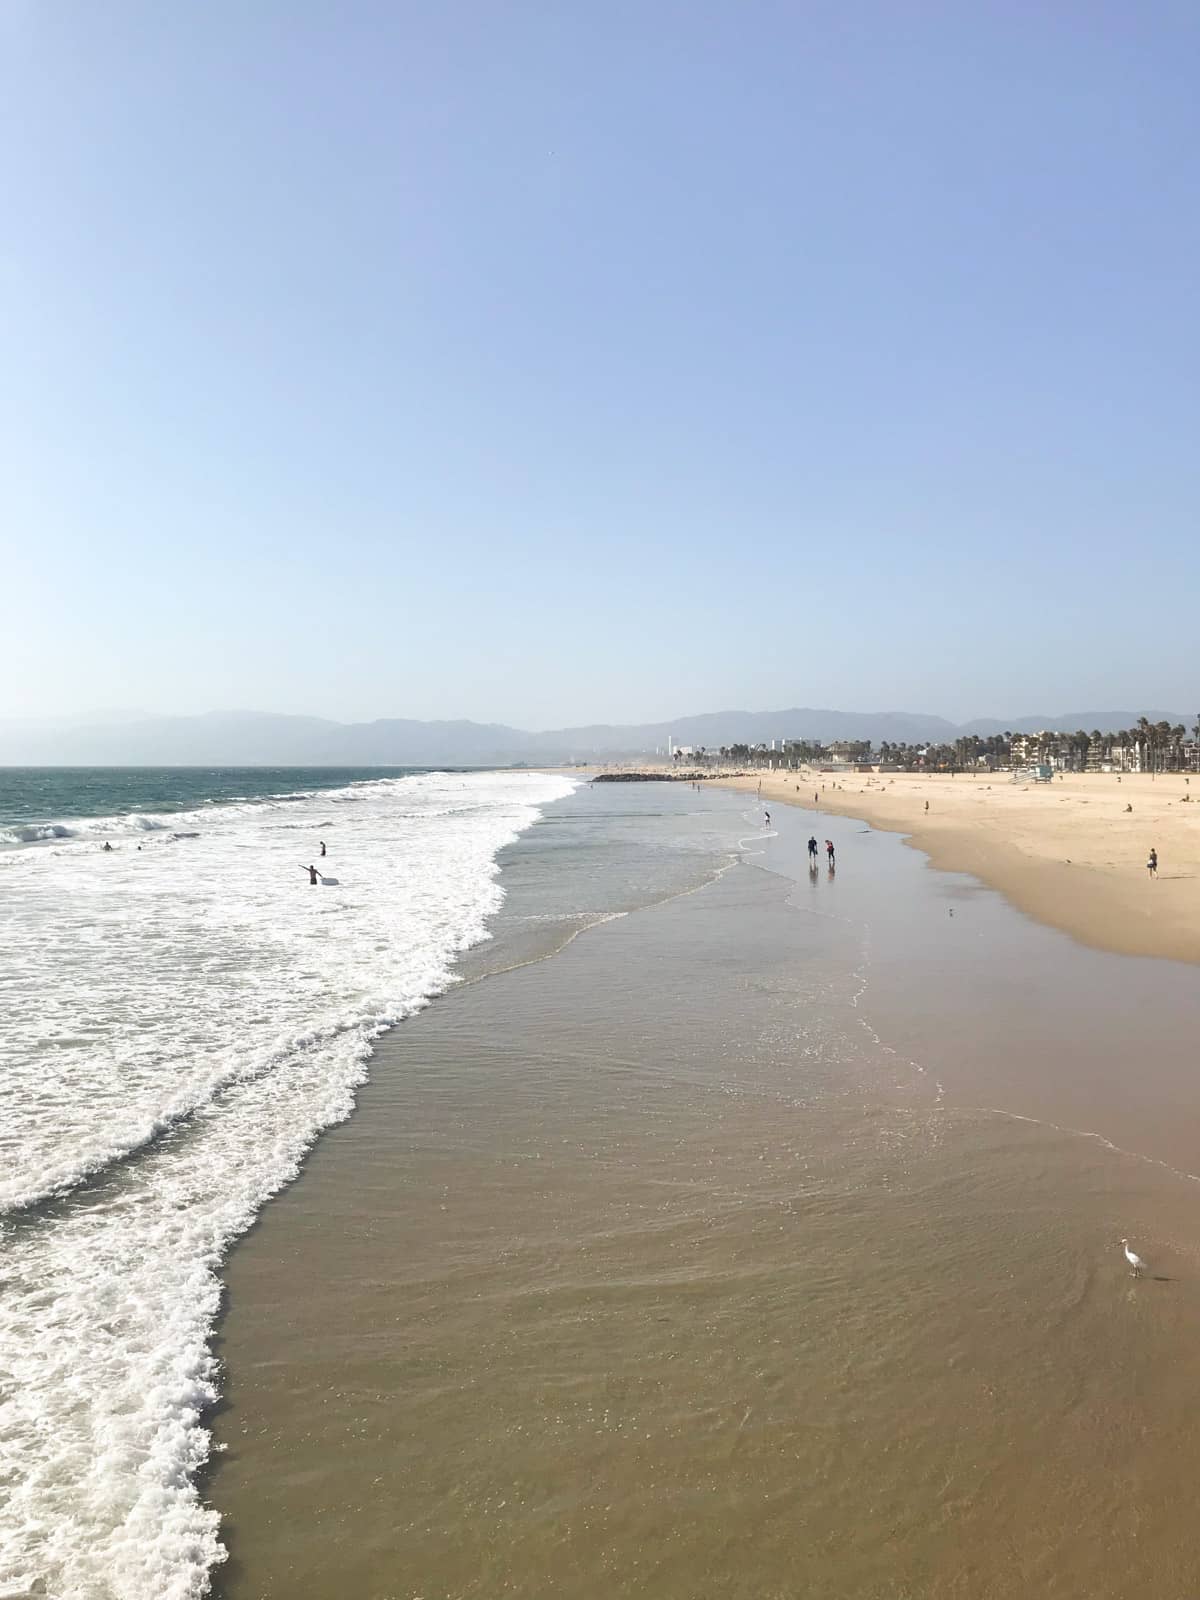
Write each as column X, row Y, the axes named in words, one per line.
column 558, row 362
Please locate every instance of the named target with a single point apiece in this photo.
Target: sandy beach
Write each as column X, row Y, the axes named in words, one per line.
column 742, row 1245
column 1068, row 853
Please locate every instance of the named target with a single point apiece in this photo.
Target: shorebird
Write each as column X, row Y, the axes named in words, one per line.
column 1135, row 1261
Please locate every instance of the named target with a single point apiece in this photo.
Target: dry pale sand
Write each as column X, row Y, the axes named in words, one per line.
column 1066, row 852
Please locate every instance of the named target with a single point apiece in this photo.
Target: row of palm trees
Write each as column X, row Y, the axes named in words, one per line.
column 1148, row 747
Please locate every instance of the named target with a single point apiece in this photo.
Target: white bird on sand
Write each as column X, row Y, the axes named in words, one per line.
column 1135, row 1261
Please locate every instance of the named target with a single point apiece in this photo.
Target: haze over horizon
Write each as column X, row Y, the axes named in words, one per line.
column 262, row 739
column 557, row 366
column 115, row 716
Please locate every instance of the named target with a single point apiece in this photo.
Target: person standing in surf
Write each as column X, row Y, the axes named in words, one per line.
column 312, row 875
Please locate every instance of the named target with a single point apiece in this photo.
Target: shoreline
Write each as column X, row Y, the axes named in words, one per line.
column 1065, row 853
column 638, row 1256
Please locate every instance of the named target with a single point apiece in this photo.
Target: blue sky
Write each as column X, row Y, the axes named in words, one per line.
column 549, row 363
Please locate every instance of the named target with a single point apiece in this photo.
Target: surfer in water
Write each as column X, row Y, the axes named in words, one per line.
column 107, row 846
column 312, row 874
column 322, row 844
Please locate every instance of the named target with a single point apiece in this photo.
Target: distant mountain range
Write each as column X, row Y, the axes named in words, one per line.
column 250, row 738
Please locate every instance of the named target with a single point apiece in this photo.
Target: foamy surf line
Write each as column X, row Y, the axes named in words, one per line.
column 211, row 1014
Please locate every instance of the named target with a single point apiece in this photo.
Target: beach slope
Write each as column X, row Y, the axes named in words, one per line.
column 1071, row 853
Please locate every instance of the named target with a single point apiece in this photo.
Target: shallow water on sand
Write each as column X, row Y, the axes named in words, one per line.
column 682, row 1263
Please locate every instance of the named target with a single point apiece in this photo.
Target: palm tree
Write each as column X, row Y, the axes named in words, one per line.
column 1144, row 741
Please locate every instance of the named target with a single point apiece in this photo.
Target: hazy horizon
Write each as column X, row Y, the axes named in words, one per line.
column 116, row 717
column 555, row 367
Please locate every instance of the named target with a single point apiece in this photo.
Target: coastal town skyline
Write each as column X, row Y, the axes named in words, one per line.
column 257, row 739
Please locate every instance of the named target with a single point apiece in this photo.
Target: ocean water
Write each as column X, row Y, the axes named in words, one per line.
column 184, row 1014
column 40, row 804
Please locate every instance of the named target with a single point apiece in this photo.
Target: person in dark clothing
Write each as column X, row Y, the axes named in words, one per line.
column 812, row 849
column 312, row 874
column 1152, row 864
column 829, row 851
column 322, row 846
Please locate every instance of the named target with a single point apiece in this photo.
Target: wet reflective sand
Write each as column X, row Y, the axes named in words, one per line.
column 661, row 1267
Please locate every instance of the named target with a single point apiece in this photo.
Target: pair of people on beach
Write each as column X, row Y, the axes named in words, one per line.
column 812, row 850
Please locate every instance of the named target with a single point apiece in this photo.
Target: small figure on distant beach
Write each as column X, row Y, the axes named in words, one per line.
column 322, row 844
column 766, row 818
column 812, row 850
column 816, row 798
column 312, row 874
column 1152, row 864
column 829, row 851
column 927, row 805
column 1129, row 808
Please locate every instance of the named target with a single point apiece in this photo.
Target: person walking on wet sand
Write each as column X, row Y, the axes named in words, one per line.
column 312, row 875
column 829, row 852
column 812, row 850
column 766, row 818
column 1152, row 864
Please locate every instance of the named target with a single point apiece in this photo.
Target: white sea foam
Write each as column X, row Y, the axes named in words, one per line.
column 182, row 1021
